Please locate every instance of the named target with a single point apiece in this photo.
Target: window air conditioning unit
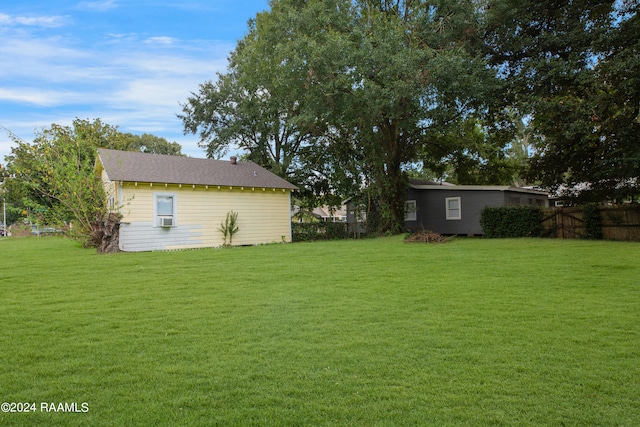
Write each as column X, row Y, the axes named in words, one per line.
column 166, row 222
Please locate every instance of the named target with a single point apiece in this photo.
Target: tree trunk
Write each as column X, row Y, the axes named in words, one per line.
column 390, row 182
column 106, row 234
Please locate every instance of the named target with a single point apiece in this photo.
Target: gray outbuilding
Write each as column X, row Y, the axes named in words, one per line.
column 455, row 209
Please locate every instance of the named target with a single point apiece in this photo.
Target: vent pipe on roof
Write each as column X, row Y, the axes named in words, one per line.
column 233, row 160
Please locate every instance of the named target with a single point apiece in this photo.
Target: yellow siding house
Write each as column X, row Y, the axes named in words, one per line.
column 173, row 202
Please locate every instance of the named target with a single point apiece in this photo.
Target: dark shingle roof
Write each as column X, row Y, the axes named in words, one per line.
column 416, row 181
column 159, row 168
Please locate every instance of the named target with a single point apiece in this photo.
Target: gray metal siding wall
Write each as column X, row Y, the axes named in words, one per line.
column 431, row 206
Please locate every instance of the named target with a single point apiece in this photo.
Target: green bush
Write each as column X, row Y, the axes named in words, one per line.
column 512, row 221
column 307, row 232
column 592, row 222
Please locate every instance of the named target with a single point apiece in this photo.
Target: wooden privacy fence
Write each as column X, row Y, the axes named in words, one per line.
column 617, row 222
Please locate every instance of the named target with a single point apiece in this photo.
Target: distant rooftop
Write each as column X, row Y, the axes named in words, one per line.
column 420, row 184
column 416, row 181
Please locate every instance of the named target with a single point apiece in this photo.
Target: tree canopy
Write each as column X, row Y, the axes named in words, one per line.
column 350, row 91
column 345, row 96
column 572, row 67
column 147, row 143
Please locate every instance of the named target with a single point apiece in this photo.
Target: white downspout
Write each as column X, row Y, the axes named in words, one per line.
column 289, row 214
column 120, row 199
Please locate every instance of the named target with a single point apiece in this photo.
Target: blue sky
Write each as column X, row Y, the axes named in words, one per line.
column 129, row 63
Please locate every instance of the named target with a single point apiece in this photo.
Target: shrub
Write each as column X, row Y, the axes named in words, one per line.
column 592, row 222
column 512, row 221
column 307, row 232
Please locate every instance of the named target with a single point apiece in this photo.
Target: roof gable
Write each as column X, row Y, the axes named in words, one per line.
column 160, row 168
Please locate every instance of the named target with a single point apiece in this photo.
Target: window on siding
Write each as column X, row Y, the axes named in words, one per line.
column 454, row 210
column 165, row 210
column 410, row 210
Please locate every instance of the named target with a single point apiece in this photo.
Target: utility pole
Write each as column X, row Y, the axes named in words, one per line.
column 4, row 203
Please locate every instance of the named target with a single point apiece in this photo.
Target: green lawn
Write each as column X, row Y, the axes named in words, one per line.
column 364, row 333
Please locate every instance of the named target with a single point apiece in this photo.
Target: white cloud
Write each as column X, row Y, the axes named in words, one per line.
column 128, row 80
column 34, row 21
column 39, row 97
column 19, row 46
column 99, row 6
column 29, row 61
column 172, row 64
column 160, row 40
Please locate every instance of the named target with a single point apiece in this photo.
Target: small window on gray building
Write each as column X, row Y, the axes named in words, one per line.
column 411, row 211
column 514, row 201
column 453, row 207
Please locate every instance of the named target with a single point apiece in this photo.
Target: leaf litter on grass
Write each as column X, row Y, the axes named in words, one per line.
column 428, row 236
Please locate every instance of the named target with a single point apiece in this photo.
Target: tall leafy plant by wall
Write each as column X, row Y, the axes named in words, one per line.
column 229, row 227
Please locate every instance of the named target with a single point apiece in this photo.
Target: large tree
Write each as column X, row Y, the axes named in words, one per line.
column 256, row 106
column 260, row 107
column 573, row 67
column 364, row 80
column 147, row 143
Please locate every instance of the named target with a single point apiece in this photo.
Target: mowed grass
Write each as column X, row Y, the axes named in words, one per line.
column 364, row 333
